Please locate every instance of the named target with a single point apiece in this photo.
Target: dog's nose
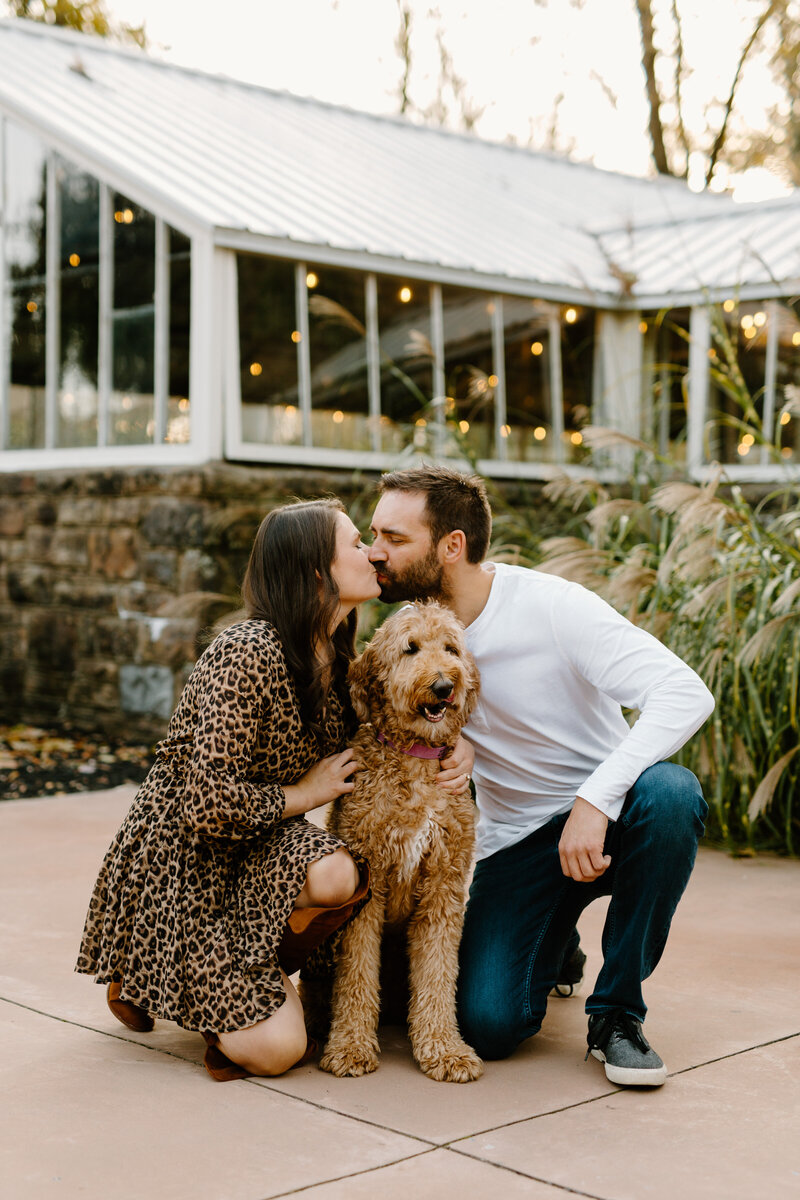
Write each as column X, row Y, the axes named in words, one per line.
column 442, row 688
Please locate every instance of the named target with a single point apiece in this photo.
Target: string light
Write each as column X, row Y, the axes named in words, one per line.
column 493, row 381
column 32, row 306
column 751, row 332
column 540, row 433
column 463, row 426
column 643, row 327
column 747, row 439
column 785, row 418
column 421, row 423
column 747, row 322
column 127, row 216
column 296, row 336
column 505, row 430
column 405, row 294
column 255, row 368
column 796, row 338
column 74, row 260
column 183, row 404
column 536, row 348
column 743, row 449
column 338, row 417
column 760, row 319
column 576, row 438
column 729, row 305
column 571, row 316
column 312, row 280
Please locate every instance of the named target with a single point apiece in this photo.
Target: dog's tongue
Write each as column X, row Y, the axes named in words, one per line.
column 451, row 697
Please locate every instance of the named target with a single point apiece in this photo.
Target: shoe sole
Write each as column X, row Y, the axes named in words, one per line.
column 632, row 1076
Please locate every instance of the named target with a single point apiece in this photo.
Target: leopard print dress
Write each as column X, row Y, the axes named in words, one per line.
column 196, row 888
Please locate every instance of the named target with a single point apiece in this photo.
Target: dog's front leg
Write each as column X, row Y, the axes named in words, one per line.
column 352, row 1047
column 433, row 939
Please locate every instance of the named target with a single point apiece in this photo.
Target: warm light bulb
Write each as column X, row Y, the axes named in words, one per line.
column 463, row 426
column 493, row 381
column 729, row 305
column 421, row 423
column 571, row 316
column 760, row 319
column 32, row 306
column 338, row 417
column 785, row 418
column 747, row 439
column 183, row 404
column 742, row 449
column 295, row 335
column 536, row 347
column 747, row 322
column 127, row 216
column 311, row 279
column 505, row 430
column 576, row 438
column 405, row 294
column 255, row 368
column 751, row 332
column 540, row 433
column 74, row 260
column 643, row 327
column 796, row 338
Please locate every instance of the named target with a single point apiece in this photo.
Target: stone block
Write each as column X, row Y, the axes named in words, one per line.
column 44, row 512
column 174, row 523
column 38, row 543
column 82, row 510
column 12, row 518
column 30, row 584
column 199, row 572
column 53, row 642
column 126, row 510
column 113, row 553
column 146, row 689
column 160, row 566
column 77, row 591
column 69, row 548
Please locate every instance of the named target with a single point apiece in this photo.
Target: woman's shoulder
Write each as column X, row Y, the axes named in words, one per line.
column 253, row 638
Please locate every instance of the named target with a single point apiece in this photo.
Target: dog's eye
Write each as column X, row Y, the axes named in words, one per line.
column 411, row 648
column 451, row 650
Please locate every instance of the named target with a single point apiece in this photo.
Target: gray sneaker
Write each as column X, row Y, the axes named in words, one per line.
column 616, row 1039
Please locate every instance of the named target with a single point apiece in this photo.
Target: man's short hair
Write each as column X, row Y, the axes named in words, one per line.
column 452, row 501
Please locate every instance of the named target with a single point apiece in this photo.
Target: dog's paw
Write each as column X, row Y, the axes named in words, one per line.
column 456, row 1064
column 351, row 1060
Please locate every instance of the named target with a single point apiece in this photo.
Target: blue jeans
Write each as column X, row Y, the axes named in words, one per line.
column 522, row 912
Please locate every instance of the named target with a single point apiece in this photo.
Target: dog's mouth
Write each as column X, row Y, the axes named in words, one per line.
column 436, row 712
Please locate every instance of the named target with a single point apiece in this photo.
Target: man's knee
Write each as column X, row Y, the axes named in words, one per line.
column 670, row 796
column 489, row 1023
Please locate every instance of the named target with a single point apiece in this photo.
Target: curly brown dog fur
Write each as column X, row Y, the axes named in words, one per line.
column 415, row 683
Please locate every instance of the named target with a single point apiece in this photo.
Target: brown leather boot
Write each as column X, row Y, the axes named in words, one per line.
column 223, row 1070
column 135, row 1018
column 308, row 927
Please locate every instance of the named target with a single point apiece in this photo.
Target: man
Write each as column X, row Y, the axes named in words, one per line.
column 573, row 803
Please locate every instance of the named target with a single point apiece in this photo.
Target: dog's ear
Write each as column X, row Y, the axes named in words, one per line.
column 473, row 682
column 365, row 687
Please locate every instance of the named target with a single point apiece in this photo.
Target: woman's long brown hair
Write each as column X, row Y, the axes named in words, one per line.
column 288, row 582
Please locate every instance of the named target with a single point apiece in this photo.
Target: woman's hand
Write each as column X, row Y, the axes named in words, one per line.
column 326, row 780
column 455, row 771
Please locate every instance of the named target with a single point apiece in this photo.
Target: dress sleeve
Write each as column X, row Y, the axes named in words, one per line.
column 638, row 672
column 219, row 800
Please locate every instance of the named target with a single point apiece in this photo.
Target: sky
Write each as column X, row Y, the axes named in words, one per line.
column 516, row 57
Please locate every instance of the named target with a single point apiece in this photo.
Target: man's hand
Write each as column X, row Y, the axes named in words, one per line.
column 581, row 845
column 455, row 771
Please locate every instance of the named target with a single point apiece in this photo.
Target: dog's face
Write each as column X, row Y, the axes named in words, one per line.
column 416, row 678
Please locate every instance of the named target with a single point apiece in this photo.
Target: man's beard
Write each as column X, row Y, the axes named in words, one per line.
column 423, row 580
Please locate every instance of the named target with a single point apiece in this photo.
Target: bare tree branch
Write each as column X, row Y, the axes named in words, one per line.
column 679, row 69
column 402, row 45
column 719, row 141
column 644, row 10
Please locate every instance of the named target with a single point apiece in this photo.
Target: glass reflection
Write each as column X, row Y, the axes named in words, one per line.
column 529, row 427
column 25, row 247
column 468, row 366
column 338, row 351
column 131, row 404
column 268, row 351
column 79, row 283
column 406, row 357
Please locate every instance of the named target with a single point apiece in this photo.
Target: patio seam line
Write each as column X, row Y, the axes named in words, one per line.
column 260, row 1081
column 562, row 1187
column 452, row 1144
column 306, row 1187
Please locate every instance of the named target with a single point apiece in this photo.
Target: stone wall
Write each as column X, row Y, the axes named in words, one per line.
column 111, row 582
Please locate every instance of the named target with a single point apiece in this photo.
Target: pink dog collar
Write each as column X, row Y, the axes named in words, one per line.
column 418, row 750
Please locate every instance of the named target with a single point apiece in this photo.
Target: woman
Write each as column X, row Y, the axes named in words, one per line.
column 216, row 887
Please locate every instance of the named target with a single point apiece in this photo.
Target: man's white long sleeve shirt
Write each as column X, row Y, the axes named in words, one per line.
column 556, row 664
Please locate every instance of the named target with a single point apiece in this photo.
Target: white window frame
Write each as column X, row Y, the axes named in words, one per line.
column 205, row 391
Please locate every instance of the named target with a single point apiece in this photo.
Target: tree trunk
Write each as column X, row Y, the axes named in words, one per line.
column 655, row 126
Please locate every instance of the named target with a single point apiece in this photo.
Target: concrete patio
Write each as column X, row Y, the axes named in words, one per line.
column 92, row 1111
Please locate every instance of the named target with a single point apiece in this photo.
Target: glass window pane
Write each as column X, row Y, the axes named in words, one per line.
column 529, row 428
column 268, row 339
column 180, row 296
column 24, row 224
column 339, row 399
column 469, row 366
column 131, row 404
column 786, row 434
column 665, row 362
column 577, row 364
column 406, row 357
column 737, row 363
column 79, row 283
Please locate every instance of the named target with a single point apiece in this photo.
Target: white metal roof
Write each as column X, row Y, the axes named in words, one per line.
column 274, row 171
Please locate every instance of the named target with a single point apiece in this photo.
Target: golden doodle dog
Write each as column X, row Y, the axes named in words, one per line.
column 413, row 689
